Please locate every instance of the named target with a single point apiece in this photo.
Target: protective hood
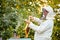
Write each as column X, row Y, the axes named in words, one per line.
column 51, row 13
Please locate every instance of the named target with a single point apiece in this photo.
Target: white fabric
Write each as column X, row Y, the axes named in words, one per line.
column 44, row 30
column 38, row 20
column 51, row 14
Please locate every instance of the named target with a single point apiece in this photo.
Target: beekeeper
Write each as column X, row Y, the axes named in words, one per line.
column 44, row 30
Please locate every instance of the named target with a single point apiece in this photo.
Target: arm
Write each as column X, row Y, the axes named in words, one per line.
column 37, row 20
column 41, row 28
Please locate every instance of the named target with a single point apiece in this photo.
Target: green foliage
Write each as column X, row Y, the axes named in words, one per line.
column 56, row 30
column 8, row 19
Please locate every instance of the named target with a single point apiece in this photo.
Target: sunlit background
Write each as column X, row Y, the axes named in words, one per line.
column 14, row 12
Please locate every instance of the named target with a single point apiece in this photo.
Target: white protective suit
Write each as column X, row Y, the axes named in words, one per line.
column 44, row 30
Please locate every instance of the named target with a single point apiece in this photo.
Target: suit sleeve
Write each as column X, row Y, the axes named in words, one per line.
column 37, row 20
column 41, row 28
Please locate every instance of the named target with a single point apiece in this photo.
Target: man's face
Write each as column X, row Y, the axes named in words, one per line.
column 45, row 12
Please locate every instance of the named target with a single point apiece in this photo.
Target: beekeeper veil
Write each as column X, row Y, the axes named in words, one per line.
column 51, row 13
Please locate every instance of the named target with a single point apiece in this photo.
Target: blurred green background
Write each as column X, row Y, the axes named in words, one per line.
column 14, row 12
